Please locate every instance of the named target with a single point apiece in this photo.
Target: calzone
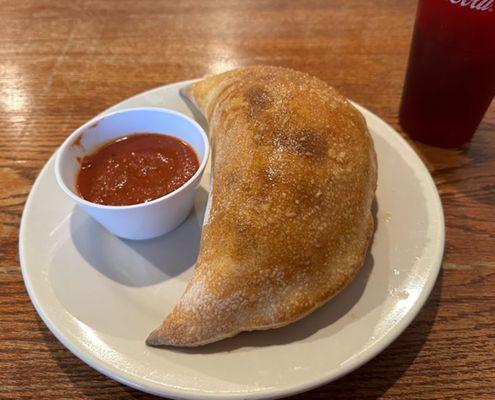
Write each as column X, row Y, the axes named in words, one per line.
column 290, row 219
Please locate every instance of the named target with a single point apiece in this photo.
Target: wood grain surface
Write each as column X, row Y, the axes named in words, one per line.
column 62, row 62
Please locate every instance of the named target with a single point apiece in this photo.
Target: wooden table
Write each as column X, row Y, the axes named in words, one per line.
column 62, row 62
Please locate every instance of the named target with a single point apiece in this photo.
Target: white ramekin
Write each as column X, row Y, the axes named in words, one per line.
column 144, row 220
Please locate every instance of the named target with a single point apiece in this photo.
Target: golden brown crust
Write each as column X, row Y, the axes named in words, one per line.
column 294, row 173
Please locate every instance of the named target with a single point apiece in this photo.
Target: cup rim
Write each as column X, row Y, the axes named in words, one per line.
column 68, row 140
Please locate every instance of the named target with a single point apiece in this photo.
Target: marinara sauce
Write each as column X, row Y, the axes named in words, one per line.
column 135, row 169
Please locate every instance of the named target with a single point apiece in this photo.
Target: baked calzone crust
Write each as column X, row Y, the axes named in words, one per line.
column 293, row 179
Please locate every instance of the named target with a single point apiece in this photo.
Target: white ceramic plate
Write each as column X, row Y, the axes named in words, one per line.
column 101, row 296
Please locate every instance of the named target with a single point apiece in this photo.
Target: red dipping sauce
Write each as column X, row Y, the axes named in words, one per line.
column 135, row 169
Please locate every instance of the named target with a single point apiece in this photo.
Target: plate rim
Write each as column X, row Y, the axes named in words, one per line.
column 163, row 390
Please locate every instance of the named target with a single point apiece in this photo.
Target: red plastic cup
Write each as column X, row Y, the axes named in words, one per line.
column 450, row 79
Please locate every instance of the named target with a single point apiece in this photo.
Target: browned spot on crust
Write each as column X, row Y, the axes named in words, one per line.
column 258, row 100
column 306, row 142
